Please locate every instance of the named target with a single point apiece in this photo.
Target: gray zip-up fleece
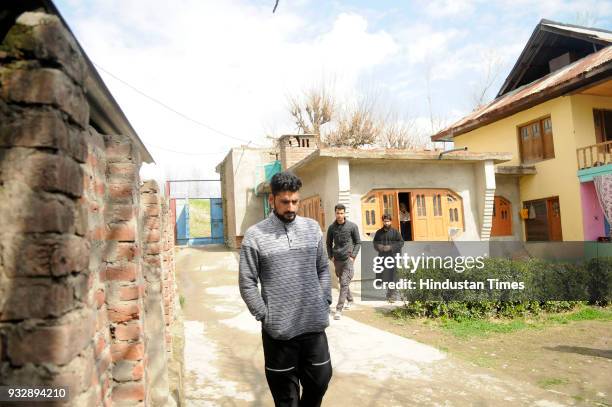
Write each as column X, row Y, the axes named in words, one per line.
column 343, row 240
column 289, row 261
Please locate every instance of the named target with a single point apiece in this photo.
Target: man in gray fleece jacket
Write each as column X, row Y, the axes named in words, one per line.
column 285, row 253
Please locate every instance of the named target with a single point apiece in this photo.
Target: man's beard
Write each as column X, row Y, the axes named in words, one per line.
column 387, row 227
column 285, row 217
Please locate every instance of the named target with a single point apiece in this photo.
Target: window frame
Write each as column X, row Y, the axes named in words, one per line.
column 542, row 135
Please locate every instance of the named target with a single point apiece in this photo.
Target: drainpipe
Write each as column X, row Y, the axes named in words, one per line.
column 450, row 151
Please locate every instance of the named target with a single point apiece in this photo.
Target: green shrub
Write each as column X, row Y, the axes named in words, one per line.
column 549, row 287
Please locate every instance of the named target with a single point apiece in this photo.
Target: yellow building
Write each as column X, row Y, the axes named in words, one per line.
column 554, row 115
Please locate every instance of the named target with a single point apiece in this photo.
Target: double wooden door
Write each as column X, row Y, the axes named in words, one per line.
column 434, row 212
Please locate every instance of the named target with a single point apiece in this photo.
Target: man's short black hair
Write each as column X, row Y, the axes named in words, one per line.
column 386, row 216
column 340, row 207
column 285, row 181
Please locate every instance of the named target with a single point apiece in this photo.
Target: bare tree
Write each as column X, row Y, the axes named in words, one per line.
column 398, row 133
column 312, row 110
column 492, row 65
column 355, row 127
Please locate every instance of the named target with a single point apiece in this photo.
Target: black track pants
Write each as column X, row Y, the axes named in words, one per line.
column 301, row 360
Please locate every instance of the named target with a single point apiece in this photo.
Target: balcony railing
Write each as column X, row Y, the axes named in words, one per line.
column 595, row 155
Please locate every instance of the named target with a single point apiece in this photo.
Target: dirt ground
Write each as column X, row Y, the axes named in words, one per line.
column 574, row 359
column 376, row 362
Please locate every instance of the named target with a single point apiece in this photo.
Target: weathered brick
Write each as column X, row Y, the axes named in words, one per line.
column 123, row 231
column 100, row 297
column 37, row 298
column 45, row 86
column 127, row 351
column 129, row 293
column 122, row 172
column 121, row 192
column 57, row 344
column 122, row 272
column 47, row 255
column 123, row 312
column 128, row 392
column 129, row 331
column 153, row 248
column 41, row 127
column 153, row 236
column 151, row 210
column 149, row 199
column 100, row 345
column 151, row 222
column 104, row 362
column 120, row 251
column 41, row 170
column 24, row 211
column 44, row 37
column 149, row 186
column 118, row 150
column 120, row 213
column 126, row 370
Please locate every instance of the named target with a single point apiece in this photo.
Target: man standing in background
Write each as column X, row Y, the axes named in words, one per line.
column 388, row 242
column 343, row 243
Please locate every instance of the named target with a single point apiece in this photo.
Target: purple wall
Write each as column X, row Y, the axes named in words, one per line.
column 592, row 215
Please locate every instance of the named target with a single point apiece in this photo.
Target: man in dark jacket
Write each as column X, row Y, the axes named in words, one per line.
column 388, row 242
column 285, row 254
column 343, row 245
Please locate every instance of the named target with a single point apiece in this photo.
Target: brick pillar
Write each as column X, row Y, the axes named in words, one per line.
column 155, row 327
column 124, row 278
column 95, row 197
column 47, row 318
column 169, row 285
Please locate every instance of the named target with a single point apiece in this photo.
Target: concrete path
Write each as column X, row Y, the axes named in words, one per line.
column 224, row 358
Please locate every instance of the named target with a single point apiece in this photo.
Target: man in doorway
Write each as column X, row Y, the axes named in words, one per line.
column 285, row 253
column 343, row 243
column 388, row 242
column 404, row 218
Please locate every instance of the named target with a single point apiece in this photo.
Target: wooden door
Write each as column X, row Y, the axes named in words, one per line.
column 389, row 206
column 554, row 219
column 370, row 214
column 502, row 217
column 420, row 225
column 438, row 229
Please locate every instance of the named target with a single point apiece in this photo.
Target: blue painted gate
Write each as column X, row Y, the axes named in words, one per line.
column 198, row 212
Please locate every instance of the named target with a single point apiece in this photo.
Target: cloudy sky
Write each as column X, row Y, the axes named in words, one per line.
column 228, row 66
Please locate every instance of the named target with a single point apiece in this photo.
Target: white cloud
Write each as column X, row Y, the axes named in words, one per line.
column 228, row 64
column 449, row 8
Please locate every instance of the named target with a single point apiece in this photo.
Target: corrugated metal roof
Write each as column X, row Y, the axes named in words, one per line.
column 539, row 88
column 596, row 33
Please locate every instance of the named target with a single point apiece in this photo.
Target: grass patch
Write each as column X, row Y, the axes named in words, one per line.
column 583, row 314
column 478, row 327
column 465, row 328
column 182, row 300
column 199, row 218
column 552, row 381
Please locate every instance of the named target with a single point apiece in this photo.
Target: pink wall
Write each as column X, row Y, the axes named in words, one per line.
column 592, row 216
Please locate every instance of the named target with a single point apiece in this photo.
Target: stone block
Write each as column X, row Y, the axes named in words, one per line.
column 57, row 344
column 44, row 37
column 46, row 86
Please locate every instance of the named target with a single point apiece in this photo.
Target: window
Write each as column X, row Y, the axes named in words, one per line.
column 536, row 141
column 420, row 199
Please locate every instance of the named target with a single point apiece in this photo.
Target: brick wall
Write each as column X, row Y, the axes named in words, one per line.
column 294, row 148
column 86, row 254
